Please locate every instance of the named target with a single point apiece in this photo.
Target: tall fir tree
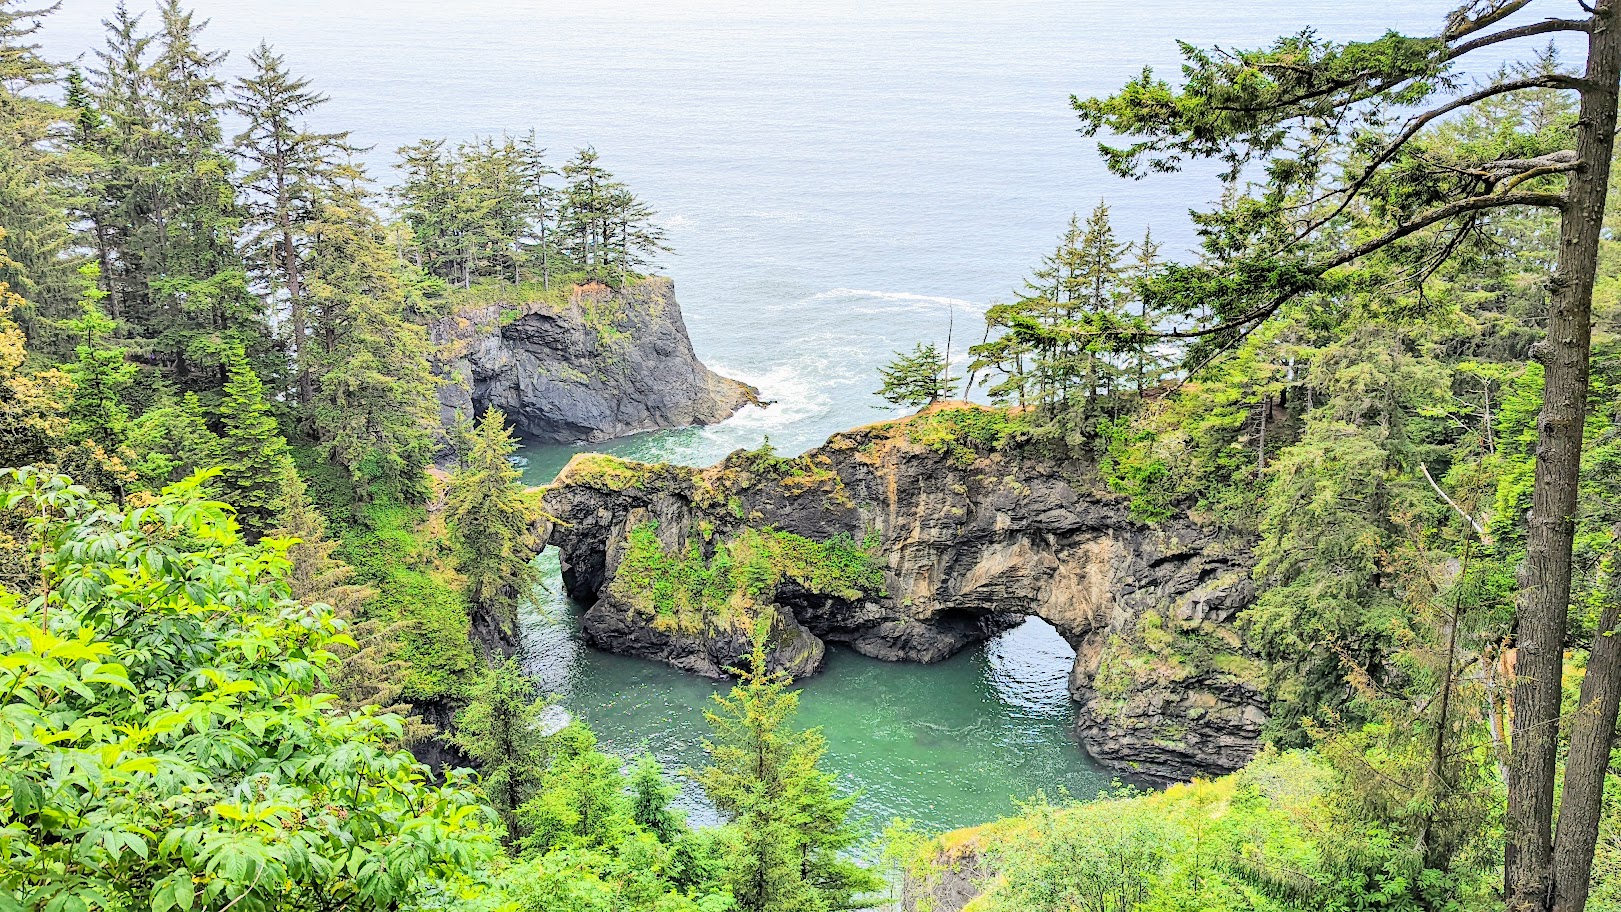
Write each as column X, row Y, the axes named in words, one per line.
column 500, row 731
column 290, row 167
column 34, row 175
column 375, row 413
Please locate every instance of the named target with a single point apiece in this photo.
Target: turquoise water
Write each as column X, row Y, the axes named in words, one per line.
column 840, row 179
column 944, row 745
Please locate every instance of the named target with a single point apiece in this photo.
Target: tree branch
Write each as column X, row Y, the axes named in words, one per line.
column 1441, row 214
column 1459, row 24
column 1487, row 539
column 1545, row 27
column 1418, row 122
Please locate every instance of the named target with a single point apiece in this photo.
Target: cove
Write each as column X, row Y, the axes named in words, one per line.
column 944, row 745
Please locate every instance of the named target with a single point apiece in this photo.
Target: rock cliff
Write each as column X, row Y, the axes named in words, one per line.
column 580, row 364
column 909, row 541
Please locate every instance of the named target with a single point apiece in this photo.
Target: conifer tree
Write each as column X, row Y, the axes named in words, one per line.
column 491, row 522
column 651, row 796
column 789, row 825
column 916, row 379
column 102, row 377
column 289, row 168
column 256, row 469
column 170, row 230
column 581, row 801
column 32, row 195
column 500, row 731
column 172, row 440
column 1406, row 202
column 375, row 411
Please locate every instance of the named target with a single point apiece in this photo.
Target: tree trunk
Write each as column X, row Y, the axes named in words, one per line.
column 1592, row 730
column 1545, row 598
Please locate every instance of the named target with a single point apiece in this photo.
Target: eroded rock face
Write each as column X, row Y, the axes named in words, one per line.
column 971, row 542
column 605, row 363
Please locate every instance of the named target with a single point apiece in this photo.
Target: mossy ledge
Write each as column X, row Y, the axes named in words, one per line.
column 910, row 540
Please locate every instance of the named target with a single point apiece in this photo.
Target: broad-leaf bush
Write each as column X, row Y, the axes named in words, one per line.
column 163, row 740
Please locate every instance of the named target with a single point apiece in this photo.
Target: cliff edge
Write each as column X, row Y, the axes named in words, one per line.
column 579, row 363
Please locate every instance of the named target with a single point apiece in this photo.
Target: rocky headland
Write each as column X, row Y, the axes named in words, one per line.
column 909, row 541
column 579, row 362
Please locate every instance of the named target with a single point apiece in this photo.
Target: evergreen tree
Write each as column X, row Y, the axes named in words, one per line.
column 491, row 522
column 916, row 379
column 170, row 230
column 256, row 468
column 102, row 377
column 651, row 797
column 375, row 409
column 32, row 194
column 500, row 730
column 581, row 802
column 172, row 441
column 289, row 168
column 788, row 823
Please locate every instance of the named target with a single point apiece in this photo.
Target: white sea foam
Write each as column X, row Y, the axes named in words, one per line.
column 920, row 302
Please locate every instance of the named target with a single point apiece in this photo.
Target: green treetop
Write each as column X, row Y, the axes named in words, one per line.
column 918, row 378
column 491, row 522
column 500, row 730
column 789, row 825
column 256, row 467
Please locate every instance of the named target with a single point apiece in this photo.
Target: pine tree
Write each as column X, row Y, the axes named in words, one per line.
column 172, row 440
column 102, row 377
column 788, row 823
column 491, row 522
column 500, row 731
column 581, row 802
column 289, row 168
column 916, row 379
column 170, row 232
column 256, row 469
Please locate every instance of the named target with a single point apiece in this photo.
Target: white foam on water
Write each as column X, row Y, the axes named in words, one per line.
column 919, row 302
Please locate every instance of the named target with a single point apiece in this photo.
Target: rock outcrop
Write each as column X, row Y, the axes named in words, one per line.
column 964, row 535
column 581, row 364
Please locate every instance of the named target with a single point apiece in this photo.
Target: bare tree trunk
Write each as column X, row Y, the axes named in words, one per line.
column 1545, row 598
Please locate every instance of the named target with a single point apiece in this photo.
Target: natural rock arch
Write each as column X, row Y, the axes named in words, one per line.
column 971, row 541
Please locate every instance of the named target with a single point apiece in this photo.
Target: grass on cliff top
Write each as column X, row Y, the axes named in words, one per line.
column 601, row 313
column 687, row 593
column 961, row 431
column 606, row 472
column 1248, row 841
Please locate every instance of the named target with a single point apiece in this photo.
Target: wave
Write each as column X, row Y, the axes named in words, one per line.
column 907, row 297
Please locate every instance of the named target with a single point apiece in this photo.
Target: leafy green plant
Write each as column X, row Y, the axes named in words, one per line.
column 163, row 740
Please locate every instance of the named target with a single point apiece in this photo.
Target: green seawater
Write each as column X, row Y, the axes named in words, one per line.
column 945, row 745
